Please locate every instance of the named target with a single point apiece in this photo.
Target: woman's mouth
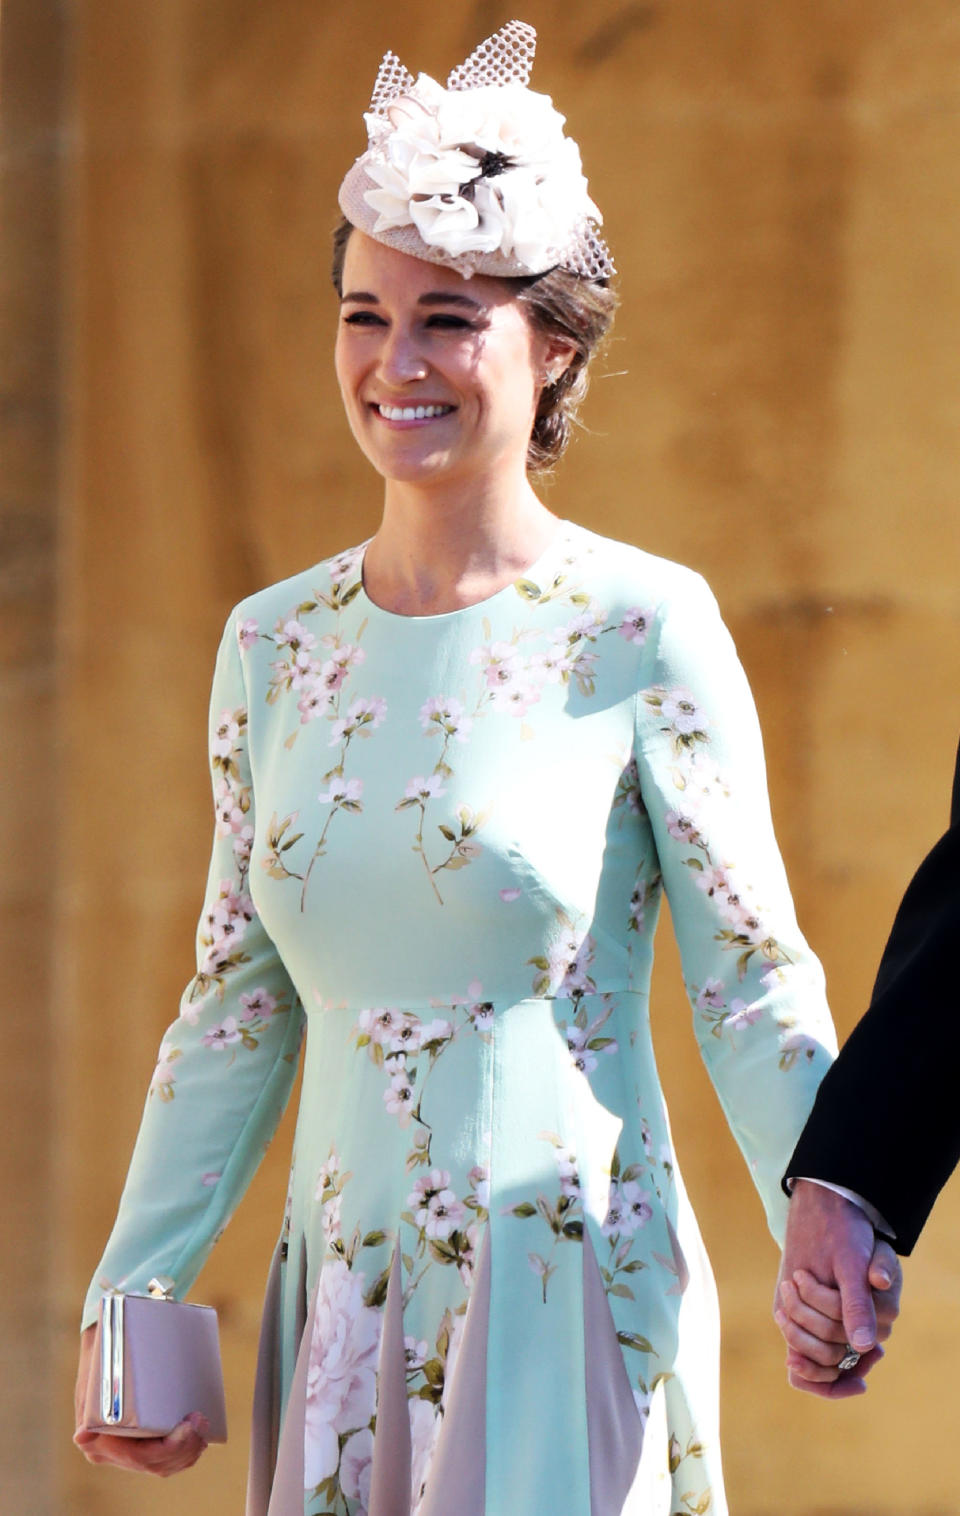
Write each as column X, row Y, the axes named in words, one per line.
column 413, row 412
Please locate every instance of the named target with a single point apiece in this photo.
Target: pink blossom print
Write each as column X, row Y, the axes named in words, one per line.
column 636, row 624
column 341, row 1379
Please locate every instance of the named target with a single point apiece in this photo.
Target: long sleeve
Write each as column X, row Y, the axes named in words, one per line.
column 756, row 990
column 227, row 1064
column 896, row 1071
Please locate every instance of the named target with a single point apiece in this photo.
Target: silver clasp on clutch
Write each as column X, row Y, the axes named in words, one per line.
column 111, row 1360
column 112, row 1385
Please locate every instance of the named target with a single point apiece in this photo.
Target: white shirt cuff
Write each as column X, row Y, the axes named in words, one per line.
column 870, row 1211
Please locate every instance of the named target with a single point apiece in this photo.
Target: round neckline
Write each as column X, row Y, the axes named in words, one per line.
column 534, row 569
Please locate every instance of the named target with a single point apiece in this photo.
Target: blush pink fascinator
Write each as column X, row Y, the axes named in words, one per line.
column 478, row 174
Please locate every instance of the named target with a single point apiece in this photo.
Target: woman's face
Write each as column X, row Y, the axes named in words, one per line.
column 439, row 375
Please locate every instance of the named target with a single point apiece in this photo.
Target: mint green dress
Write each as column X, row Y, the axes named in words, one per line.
column 441, row 844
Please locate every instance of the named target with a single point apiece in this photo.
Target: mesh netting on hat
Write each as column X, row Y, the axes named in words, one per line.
column 588, row 255
column 504, row 58
column 392, row 81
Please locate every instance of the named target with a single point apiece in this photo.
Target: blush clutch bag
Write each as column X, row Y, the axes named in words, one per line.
column 155, row 1359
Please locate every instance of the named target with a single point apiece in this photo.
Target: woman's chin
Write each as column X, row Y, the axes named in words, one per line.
column 424, row 468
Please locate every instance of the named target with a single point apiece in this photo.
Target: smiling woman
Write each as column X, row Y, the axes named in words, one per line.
column 455, row 767
column 411, row 340
column 560, row 306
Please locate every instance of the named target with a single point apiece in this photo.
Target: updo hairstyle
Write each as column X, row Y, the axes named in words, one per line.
column 559, row 305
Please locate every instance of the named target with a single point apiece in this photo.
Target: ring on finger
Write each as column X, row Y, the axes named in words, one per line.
column 850, row 1358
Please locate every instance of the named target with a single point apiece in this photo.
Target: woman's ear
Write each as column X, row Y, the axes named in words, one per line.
column 557, row 360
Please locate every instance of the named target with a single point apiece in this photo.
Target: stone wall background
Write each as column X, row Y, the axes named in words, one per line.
column 780, row 410
column 32, row 331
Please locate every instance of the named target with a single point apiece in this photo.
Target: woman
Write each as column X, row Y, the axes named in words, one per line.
column 454, row 768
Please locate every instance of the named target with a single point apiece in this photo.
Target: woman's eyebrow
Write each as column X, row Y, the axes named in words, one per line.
column 448, row 297
column 434, row 298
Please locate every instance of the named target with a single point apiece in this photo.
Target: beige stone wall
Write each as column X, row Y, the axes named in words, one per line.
column 780, row 409
column 30, row 367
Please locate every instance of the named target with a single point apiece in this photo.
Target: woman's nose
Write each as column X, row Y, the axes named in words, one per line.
column 401, row 361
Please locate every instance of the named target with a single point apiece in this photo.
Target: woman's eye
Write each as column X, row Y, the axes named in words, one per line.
column 363, row 318
column 450, row 323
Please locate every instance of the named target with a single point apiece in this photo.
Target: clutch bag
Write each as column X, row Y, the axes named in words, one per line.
column 155, row 1359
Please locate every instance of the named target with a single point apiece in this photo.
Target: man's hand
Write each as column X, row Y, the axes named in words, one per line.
column 838, row 1286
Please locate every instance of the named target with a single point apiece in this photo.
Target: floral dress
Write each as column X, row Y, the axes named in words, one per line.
column 441, row 843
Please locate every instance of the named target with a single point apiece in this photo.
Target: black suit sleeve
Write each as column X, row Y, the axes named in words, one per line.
column 886, row 1121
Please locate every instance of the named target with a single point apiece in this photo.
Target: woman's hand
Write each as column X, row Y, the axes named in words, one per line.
column 811, row 1320
column 179, row 1450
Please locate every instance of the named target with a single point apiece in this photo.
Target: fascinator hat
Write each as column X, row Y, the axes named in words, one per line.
column 477, row 175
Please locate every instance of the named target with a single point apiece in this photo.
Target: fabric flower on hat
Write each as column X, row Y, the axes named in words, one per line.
column 480, row 170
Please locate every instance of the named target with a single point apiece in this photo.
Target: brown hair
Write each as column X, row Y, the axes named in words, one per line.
column 559, row 305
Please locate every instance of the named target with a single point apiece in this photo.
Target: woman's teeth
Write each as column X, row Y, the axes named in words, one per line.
column 413, row 412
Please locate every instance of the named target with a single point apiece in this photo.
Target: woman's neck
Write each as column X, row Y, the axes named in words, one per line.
column 436, row 552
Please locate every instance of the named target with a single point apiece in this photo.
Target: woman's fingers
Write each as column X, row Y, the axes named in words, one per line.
column 827, row 1328
column 817, row 1379
column 825, row 1353
column 884, row 1320
column 810, row 1368
column 181, row 1448
column 838, row 1389
column 886, row 1278
column 162, row 1456
column 821, row 1297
